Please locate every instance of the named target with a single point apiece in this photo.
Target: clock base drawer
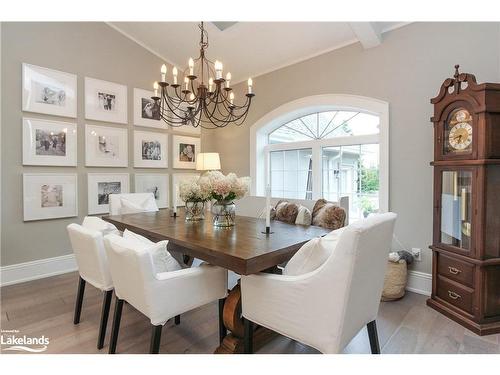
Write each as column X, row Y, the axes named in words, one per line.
column 456, row 270
column 456, row 294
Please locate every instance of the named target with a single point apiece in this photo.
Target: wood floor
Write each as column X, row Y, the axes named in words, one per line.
column 45, row 307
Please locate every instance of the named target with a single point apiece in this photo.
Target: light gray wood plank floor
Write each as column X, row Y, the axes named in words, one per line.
column 45, row 307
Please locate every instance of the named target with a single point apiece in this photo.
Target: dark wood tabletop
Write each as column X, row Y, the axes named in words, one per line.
column 243, row 248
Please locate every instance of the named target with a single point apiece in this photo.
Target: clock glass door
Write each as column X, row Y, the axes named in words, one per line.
column 456, row 202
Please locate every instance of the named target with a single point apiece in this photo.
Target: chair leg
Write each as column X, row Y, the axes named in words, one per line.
column 79, row 300
column 248, row 337
column 373, row 336
column 154, row 348
column 177, row 320
column 106, row 303
column 222, row 327
column 116, row 325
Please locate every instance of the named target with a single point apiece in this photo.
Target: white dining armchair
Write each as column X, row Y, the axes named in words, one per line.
column 129, row 203
column 88, row 246
column 159, row 296
column 324, row 306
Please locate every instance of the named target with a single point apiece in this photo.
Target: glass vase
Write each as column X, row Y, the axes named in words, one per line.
column 195, row 210
column 223, row 213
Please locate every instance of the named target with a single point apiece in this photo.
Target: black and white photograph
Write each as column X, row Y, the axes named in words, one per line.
column 150, row 149
column 106, row 188
column 52, row 195
column 47, row 94
column 49, row 142
column 146, row 110
column 185, row 150
column 105, row 101
column 153, row 183
column 106, row 146
column 49, row 195
column 49, row 91
column 150, row 109
column 100, row 186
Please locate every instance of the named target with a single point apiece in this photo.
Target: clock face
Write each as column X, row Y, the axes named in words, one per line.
column 458, row 132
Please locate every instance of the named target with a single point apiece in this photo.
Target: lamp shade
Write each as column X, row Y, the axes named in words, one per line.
column 207, row 161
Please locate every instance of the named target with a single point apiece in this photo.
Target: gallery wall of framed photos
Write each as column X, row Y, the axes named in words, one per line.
column 79, row 124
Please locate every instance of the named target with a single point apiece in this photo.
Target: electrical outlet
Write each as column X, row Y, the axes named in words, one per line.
column 417, row 253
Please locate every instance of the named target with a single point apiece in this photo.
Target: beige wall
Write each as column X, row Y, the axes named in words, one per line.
column 406, row 71
column 86, row 49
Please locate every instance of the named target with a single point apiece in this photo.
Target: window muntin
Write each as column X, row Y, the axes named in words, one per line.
column 291, row 173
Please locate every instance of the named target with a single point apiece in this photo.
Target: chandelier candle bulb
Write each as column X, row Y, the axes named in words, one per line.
column 231, row 98
column 163, row 72
column 210, row 84
column 191, row 66
column 228, row 79
column 155, row 86
column 250, row 84
column 186, row 82
column 174, row 72
column 218, row 69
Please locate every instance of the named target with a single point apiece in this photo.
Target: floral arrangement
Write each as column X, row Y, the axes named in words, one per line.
column 224, row 188
column 190, row 191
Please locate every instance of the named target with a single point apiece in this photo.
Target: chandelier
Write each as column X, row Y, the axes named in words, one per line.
column 203, row 98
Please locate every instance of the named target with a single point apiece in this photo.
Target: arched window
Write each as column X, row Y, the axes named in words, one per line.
column 308, row 150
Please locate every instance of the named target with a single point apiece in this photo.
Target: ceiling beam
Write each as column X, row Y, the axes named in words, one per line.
column 368, row 33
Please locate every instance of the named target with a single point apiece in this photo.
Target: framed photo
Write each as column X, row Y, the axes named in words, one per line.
column 105, row 101
column 150, row 150
column 49, row 196
column 184, row 128
column 106, row 146
column 49, row 142
column 100, row 185
column 153, row 183
column 185, row 151
column 146, row 111
column 177, row 178
column 49, row 91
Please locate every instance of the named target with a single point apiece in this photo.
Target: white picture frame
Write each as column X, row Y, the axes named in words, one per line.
column 105, row 101
column 49, row 196
column 48, row 91
column 146, row 112
column 100, row 185
column 158, row 184
column 106, row 146
column 150, row 149
column 51, row 143
column 182, row 157
column 177, row 178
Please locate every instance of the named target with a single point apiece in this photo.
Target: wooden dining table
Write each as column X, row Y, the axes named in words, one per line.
column 244, row 249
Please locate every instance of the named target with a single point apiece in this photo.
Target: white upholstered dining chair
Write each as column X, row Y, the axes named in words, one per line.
column 88, row 246
column 159, row 296
column 130, row 203
column 329, row 291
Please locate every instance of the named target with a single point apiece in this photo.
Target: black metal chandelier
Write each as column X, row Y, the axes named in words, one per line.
column 204, row 98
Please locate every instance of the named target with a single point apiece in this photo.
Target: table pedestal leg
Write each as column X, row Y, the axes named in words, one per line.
column 233, row 342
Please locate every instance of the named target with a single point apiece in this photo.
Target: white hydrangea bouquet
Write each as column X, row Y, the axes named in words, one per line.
column 190, row 191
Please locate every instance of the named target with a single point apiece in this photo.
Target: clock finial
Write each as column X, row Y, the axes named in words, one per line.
column 456, row 71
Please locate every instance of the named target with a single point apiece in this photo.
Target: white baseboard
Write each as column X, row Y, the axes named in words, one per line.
column 37, row 269
column 419, row 282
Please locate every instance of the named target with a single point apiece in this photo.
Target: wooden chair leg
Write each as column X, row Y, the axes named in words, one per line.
column 106, row 303
column 177, row 320
column 248, row 337
column 222, row 327
column 154, row 348
column 79, row 300
column 373, row 336
column 116, row 325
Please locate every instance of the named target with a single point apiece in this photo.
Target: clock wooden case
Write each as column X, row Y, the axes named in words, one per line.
column 466, row 230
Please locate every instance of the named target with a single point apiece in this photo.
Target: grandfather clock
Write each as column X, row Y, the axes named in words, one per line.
column 466, row 230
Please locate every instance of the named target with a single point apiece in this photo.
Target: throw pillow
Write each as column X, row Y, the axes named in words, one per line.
column 304, row 216
column 286, row 212
column 327, row 215
column 163, row 261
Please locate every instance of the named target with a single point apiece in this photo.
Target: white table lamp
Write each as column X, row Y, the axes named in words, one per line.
column 208, row 161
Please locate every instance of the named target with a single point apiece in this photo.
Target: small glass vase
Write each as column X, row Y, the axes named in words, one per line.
column 223, row 213
column 195, row 210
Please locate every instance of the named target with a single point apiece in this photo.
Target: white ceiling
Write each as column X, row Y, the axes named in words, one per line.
column 249, row 49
